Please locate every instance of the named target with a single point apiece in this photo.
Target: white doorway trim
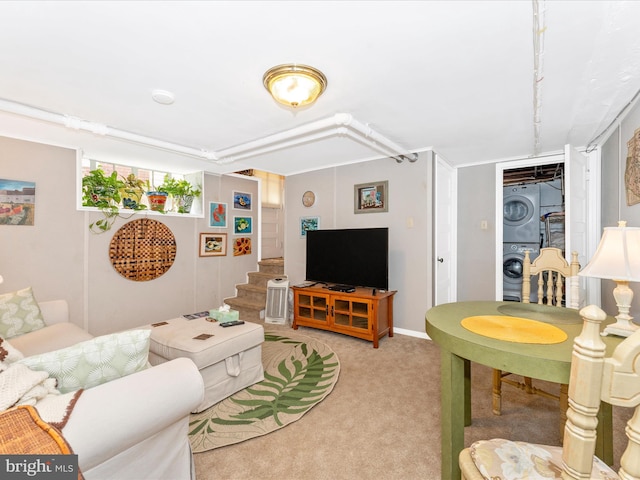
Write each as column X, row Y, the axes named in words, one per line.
column 593, row 215
column 445, row 214
column 500, row 168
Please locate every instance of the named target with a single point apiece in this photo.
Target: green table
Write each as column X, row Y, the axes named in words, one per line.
column 459, row 347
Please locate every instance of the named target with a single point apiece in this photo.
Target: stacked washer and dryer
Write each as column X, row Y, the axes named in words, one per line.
column 521, row 231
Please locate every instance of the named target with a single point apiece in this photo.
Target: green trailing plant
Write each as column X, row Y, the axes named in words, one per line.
column 181, row 191
column 103, row 192
column 177, row 187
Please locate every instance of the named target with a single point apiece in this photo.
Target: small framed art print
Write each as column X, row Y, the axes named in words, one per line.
column 371, row 197
column 213, row 244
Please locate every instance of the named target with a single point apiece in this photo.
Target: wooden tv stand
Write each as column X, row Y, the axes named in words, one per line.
column 358, row 314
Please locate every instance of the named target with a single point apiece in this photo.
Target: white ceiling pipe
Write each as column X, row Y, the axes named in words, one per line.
column 305, row 133
column 294, row 142
column 277, row 138
column 373, row 145
column 375, row 138
column 338, row 124
column 306, row 138
column 76, row 123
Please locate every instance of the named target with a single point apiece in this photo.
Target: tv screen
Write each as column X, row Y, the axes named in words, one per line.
column 357, row 257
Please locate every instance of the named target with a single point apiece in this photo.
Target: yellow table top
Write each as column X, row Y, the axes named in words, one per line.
column 514, row 329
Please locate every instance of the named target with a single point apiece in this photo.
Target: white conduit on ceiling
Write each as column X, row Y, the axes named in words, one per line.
column 539, row 28
column 339, row 124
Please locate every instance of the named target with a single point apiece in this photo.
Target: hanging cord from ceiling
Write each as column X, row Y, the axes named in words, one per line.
column 539, row 28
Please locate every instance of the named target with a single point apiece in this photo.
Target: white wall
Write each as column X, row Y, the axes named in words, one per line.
column 614, row 200
column 476, row 247
column 409, row 198
column 60, row 258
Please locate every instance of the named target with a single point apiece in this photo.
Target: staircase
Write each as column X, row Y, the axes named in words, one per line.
column 251, row 298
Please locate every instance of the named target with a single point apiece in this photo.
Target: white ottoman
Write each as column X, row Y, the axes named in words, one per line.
column 229, row 360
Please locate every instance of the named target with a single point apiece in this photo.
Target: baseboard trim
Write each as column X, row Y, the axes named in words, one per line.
column 410, row 333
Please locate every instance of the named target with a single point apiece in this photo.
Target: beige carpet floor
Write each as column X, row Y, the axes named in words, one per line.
column 382, row 420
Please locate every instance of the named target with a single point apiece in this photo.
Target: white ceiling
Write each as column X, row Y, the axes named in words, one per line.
column 454, row 76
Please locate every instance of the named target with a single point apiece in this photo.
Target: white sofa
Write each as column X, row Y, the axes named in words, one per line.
column 132, row 428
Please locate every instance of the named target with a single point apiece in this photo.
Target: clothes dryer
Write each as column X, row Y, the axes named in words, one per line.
column 521, row 214
column 512, row 268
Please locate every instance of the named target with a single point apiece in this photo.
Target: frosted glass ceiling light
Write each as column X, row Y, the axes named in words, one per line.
column 618, row 258
column 294, row 85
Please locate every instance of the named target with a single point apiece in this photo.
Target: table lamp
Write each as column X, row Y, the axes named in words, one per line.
column 618, row 258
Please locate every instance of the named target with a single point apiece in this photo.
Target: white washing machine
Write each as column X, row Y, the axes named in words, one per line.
column 512, row 266
column 521, row 214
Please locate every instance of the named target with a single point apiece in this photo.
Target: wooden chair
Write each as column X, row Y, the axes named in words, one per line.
column 594, row 378
column 554, row 276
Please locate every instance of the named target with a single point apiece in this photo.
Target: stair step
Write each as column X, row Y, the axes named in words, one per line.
column 252, row 292
column 249, row 309
column 251, row 298
column 260, row 278
column 272, row 265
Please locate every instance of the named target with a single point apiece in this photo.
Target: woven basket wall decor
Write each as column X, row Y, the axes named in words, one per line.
column 142, row 250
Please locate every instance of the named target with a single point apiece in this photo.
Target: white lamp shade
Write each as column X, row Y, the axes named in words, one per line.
column 618, row 255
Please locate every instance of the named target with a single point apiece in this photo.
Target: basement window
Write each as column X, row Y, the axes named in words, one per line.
column 155, row 178
column 272, row 188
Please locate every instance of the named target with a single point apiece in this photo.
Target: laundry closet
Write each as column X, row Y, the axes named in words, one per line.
column 533, row 218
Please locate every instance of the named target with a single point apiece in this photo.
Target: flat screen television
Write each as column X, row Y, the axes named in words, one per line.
column 356, row 257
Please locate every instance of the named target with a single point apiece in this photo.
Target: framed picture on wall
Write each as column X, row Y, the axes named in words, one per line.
column 371, row 197
column 17, row 204
column 218, row 215
column 308, row 223
column 241, row 246
column 213, row 244
column 242, row 225
column 242, row 201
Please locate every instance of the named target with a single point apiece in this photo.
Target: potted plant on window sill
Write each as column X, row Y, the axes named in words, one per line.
column 182, row 193
column 132, row 192
column 102, row 192
column 157, row 199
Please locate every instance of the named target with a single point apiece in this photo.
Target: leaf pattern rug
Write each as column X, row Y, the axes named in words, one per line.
column 299, row 373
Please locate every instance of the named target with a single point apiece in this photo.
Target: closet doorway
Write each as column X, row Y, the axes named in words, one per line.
column 533, row 218
column 581, row 177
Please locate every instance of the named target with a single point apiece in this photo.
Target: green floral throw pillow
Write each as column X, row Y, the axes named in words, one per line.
column 19, row 313
column 94, row 361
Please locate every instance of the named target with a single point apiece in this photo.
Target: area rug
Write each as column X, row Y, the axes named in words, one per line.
column 299, row 373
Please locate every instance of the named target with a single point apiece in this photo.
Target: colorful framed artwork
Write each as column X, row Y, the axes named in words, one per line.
column 213, row 244
column 371, row 197
column 242, row 201
column 241, row 246
column 17, row 202
column 308, row 223
column 217, row 215
column 242, row 225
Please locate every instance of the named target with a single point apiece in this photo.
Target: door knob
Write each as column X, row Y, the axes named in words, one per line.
column 440, row 259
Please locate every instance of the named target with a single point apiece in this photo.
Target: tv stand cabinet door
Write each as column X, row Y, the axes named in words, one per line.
column 353, row 314
column 310, row 309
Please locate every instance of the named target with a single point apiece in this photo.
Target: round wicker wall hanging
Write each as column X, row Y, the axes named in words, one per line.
column 142, row 250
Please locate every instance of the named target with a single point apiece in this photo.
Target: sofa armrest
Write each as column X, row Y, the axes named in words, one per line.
column 113, row 417
column 54, row 311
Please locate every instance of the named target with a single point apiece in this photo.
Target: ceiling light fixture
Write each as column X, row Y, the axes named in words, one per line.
column 294, row 85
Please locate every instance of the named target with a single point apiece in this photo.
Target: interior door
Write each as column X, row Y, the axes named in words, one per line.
column 576, row 167
column 445, row 232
